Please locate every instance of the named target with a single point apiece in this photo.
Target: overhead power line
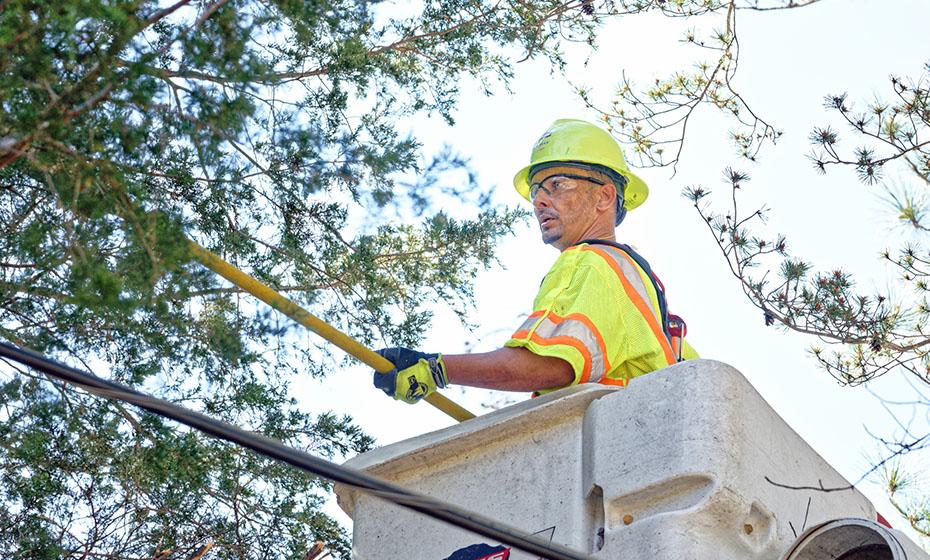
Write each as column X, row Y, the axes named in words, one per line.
column 276, row 450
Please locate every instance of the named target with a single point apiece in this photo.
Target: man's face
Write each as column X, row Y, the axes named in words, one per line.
column 564, row 208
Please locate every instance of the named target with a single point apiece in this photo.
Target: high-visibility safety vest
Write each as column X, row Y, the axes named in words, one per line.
column 601, row 309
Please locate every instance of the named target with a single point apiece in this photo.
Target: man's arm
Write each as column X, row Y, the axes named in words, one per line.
column 508, row 369
column 418, row 374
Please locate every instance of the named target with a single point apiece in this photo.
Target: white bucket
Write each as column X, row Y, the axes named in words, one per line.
column 853, row 539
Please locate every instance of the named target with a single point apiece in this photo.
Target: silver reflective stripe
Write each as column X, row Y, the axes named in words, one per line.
column 576, row 329
column 528, row 324
column 631, row 272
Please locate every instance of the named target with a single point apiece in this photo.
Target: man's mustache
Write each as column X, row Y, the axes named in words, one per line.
column 546, row 214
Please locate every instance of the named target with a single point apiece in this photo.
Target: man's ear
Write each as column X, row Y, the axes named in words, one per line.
column 606, row 198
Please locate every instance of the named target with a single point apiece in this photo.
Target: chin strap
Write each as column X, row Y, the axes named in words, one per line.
column 620, row 182
column 621, row 210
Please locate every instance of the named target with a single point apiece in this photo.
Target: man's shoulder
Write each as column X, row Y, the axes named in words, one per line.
column 595, row 253
column 582, row 257
column 610, row 260
column 575, row 256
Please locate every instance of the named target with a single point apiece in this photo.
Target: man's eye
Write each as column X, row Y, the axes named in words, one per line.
column 556, row 185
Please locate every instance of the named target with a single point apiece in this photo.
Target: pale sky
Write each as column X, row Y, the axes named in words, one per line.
column 789, row 61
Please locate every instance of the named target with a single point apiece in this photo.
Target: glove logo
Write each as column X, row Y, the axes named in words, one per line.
column 417, row 390
column 415, row 376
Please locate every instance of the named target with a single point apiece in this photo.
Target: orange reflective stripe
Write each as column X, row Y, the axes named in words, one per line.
column 566, row 340
column 528, row 323
column 574, row 343
column 588, row 323
column 645, row 309
column 548, row 325
column 616, row 382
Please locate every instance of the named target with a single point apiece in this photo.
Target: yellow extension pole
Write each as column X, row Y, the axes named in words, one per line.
column 365, row 355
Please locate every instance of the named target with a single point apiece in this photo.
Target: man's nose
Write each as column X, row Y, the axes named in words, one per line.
column 541, row 200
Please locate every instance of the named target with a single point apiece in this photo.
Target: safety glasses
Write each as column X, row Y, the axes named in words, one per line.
column 556, row 186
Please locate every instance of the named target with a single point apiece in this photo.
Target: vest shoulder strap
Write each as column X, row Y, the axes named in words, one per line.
column 668, row 325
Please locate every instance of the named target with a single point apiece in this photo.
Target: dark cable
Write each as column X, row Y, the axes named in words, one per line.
column 278, row 451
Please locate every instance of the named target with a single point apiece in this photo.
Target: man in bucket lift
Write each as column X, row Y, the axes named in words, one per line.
column 600, row 315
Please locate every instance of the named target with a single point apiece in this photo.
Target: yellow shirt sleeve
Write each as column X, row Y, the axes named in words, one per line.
column 562, row 325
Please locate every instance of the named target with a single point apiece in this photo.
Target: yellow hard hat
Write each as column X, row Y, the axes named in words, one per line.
column 574, row 140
